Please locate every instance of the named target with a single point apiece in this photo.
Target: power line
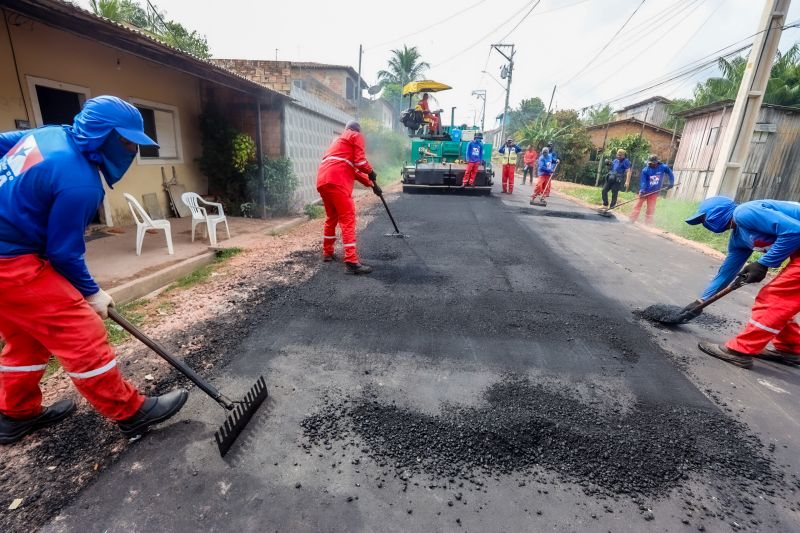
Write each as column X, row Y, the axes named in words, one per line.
column 674, row 14
column 693, row 67
column 426, row 28
column 483, row 38
column 679, row 20
column 503, row 38
column 603, row 49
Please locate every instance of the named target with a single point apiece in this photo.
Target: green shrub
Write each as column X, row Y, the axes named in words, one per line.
column 314, row 211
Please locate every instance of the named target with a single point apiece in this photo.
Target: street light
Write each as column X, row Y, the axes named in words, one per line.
column 481, row 93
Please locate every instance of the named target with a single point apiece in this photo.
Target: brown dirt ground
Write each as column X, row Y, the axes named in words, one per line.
column 49, row 468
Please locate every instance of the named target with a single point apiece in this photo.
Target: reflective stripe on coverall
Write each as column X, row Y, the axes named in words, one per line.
column 44, row 314
column 344, row 162
column 773, row 316
column 509, row 158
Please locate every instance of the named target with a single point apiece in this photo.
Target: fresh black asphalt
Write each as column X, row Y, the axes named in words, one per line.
column 487, row 328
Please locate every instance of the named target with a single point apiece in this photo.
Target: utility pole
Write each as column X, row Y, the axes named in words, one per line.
column 506, row 73
column 358, row 83
column 481, row 94
column 739, row 133
column 547, row 116
column 601, row 156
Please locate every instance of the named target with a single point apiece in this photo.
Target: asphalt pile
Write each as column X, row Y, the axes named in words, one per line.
column 522, row 427
column 668, row 314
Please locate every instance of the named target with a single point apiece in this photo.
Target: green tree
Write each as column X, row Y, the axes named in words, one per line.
column 636, row 147
column 568, row 134
column 599, row 114
column 783, row 87
column 153, row 22
column 676, row 106
column 403, row 66
column 529, row 110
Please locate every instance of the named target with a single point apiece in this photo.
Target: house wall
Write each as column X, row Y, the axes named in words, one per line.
column 770, row 170
column 659, row 141
column 46, row 52
column 657, row 114
column 311, row 125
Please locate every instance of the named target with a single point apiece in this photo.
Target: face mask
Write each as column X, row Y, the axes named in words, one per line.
column 116, row 159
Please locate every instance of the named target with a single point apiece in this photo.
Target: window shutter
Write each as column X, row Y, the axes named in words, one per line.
column 167, row 139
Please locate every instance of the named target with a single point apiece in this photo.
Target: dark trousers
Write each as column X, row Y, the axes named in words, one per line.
column 528, row 170
column 614, row 186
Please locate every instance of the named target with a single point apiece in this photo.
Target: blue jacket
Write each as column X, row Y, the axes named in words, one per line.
column 49, row 193
column 652, row 179
column 547, row 164
column 770, row 226
column 620, row 166
column 474, row 152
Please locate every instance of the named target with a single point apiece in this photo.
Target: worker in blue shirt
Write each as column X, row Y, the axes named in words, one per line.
column 651, row 182
column 50, row 189
column 620, row 173
column 769, row 226
column 474, row 160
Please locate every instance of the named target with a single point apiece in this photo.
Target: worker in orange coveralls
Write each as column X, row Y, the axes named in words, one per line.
column 50, row 188
column 344, row 162
column 432, row 118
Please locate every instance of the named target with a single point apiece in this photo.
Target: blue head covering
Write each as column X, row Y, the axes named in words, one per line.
column 714, row 213
column 97, row 129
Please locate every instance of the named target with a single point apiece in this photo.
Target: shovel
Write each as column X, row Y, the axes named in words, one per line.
column 604, row 211
column 655, row 312
column 241, row 411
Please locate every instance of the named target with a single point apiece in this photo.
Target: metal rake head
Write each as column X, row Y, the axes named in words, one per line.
column 241, row 415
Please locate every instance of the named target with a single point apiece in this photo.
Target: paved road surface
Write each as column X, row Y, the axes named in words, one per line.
column 484, row 286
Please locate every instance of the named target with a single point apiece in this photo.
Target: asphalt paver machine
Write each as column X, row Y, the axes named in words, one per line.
column 436, row 159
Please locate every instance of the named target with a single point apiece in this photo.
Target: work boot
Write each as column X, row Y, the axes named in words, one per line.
column 155, row 409
column 328, row 258
column 720, row 351
column 357, row 268
column 772, row 354
column 13, row 429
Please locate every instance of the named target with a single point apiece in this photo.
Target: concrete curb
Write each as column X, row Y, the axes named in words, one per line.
column 145, row 285
column 655, row 231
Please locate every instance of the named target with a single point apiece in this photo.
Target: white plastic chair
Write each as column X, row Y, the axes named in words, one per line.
column 144, row 222
column 200, row 215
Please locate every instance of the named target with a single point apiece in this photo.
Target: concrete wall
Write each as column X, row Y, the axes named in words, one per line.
column 45, row 52
column 311, row 126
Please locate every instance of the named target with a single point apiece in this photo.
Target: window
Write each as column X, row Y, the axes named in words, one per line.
column 350, row 89
column 749, row 180
column 55, row 102
column 162, row 124
column 713, row 133
column 760, row 136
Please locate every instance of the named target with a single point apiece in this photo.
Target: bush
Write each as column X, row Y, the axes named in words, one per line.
column 314, row 211
column 281, row 182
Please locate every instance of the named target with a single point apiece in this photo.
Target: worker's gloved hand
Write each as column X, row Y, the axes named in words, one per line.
column 100, row 302
column 377, row 190
column 691, row 311
column 373, row 177
column 754, row 272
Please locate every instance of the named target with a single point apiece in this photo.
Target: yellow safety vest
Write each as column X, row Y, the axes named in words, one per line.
column 510, row 156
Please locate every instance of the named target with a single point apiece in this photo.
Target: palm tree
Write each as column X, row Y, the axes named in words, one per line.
column 404, row 66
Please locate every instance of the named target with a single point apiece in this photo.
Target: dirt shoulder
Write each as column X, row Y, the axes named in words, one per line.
column 200, row 324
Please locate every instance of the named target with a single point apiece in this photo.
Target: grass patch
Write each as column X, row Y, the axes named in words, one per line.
column 314, row 211
column 204, row 272
column 388, row 174
column 670, row 214
column 135, row 315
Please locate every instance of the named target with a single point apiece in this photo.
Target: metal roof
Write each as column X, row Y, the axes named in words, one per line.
column 642, row 102
column 76, row 20
column 632, row 121
column 716, row 106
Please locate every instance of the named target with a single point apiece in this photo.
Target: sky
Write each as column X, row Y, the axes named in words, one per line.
column 580, row 46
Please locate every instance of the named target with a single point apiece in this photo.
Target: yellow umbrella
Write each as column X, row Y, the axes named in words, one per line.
column 424, row 86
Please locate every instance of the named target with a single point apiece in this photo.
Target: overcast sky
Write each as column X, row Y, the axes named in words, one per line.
column 554, row 43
